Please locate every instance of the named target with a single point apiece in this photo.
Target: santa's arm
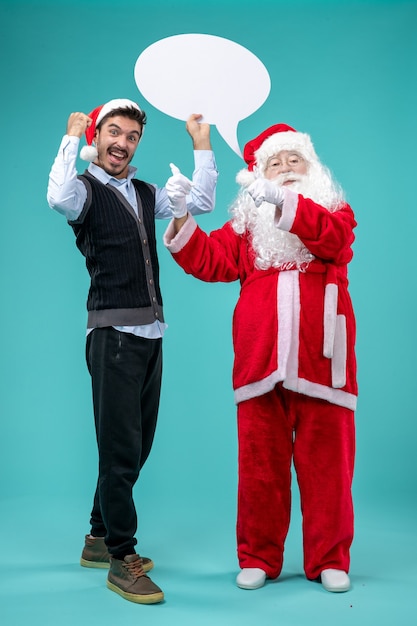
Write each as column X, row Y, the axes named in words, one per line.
column 328, row 235
column 178, row 223
column 211, row 258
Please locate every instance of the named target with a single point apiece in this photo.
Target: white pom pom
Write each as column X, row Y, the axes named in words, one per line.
column 88, row 153
column 245, row 178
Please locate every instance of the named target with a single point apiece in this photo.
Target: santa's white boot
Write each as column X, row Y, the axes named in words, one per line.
column 251, row 578
column 335, row 580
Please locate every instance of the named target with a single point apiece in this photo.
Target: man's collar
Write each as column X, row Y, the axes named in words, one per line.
column 105, row 178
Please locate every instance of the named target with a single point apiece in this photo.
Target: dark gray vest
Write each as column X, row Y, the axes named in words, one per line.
column 121, row 257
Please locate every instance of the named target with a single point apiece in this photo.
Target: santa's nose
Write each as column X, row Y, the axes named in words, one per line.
column 284, row 168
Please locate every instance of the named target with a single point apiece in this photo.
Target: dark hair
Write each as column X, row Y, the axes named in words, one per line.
column 130, row 112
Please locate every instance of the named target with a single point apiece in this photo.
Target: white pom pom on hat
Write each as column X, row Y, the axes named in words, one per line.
column 89, row 152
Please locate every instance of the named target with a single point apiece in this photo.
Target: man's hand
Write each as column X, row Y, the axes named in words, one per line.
column 199, row 132
column 178, row 186
column 264, row 190
column 78, row 123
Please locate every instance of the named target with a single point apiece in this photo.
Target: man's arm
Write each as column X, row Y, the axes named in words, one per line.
column 66, row 194
column 201, row 197
column 199, row 132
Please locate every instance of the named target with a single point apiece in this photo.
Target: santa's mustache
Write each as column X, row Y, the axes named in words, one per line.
column 288, row 176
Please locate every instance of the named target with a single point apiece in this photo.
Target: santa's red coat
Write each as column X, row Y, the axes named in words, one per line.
column 293, row 326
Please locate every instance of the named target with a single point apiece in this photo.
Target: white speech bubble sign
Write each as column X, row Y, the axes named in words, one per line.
column 196, row 73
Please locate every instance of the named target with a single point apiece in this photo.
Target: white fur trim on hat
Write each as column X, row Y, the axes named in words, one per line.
column 118, row 103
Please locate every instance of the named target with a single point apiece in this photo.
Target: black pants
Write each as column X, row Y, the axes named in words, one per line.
column 126, row 382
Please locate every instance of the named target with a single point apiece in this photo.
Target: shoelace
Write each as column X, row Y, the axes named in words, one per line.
column 135, row 568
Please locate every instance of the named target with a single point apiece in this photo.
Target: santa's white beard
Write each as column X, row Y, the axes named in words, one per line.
column 273, row 247
column 278, row 248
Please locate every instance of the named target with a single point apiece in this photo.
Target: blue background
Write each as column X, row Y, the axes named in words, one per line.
column 345, row 72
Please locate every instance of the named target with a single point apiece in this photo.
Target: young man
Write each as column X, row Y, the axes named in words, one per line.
column 113, row 218
column 288, row 243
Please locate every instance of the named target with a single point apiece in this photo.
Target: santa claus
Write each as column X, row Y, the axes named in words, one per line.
column 288, row 242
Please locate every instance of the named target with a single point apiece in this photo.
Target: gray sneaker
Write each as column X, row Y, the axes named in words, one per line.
column 95, row 554
column 128, row 579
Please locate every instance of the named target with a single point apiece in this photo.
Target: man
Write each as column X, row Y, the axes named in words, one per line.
column 288, row 242
column 113, row 218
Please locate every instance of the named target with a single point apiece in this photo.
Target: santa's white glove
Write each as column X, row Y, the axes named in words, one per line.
column 178, row 186
column 264, row 190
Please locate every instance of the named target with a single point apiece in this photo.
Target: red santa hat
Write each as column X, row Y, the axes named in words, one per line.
column 89, row 152
column 269, row 143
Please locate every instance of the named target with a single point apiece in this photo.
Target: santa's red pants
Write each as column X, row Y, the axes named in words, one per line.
column 319, row 437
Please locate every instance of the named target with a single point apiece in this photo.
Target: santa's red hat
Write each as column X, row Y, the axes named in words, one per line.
column 89, row 152
column 269, row 143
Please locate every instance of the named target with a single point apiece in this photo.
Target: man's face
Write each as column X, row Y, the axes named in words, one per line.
column 286, row 163
column 116, row 142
